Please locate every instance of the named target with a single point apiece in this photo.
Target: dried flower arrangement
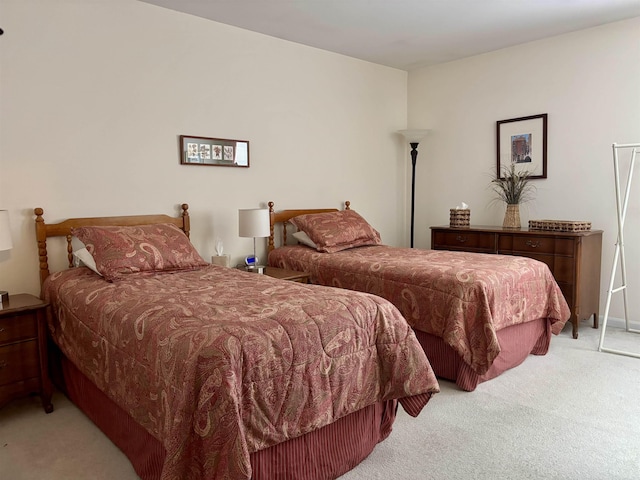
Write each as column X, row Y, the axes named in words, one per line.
column 514, row 187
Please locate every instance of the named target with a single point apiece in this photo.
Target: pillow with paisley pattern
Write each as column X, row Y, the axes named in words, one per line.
column 336, row 231
column 119, row 251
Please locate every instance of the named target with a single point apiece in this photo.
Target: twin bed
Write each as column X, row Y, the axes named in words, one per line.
column 475, row 315
column 197, row 371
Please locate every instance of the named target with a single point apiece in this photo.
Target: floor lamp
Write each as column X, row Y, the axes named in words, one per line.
column 413, row 137
column 5, row 244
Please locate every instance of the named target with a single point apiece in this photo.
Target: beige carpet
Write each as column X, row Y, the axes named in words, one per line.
column 572, row 414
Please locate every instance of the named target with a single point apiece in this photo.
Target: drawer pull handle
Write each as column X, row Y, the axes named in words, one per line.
column 1, row 329
column 533, row 244
column 461, row 239
column 3, row 364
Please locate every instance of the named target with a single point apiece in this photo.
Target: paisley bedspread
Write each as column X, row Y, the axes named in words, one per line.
column 217, row 363
column 464, row 298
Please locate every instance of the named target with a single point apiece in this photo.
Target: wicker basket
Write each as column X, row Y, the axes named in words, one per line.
column 560, row 225
column 459, row 217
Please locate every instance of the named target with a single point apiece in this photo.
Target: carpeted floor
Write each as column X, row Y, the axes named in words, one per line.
column 572, row 414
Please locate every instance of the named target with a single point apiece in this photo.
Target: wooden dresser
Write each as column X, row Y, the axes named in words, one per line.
column 574, row 258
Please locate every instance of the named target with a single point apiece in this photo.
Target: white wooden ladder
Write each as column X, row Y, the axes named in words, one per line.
column 621, row 206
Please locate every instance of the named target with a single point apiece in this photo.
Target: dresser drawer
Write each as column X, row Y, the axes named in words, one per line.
column 19, row 361
column 461, row 240
column 17, row 327
column 567, row 291
column 564, row 270
column 537, row 244
column 548, row 259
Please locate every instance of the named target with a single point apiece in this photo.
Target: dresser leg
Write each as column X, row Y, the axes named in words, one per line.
column 575, row 328
column 595, row 320
column 47, row 405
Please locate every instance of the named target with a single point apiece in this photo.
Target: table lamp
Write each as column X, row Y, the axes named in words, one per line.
column 254, row 222
column 5, row 244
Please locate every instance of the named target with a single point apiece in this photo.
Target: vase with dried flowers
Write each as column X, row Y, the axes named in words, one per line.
column 513, row 188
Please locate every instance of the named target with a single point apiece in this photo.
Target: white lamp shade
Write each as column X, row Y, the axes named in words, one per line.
column 5, row 231
column 254, row 222
column 414, row 135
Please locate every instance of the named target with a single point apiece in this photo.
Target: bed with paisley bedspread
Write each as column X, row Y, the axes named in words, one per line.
column 198, row 371
column 476, row 315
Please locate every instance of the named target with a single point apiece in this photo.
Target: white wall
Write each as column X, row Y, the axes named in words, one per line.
column 95, row 94
column 589, row 84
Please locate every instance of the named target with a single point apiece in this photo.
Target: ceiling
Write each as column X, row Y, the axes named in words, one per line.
column 408, row 34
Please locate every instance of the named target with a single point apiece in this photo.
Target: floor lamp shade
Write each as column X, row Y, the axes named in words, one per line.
column 5, row 231
column 413, row 137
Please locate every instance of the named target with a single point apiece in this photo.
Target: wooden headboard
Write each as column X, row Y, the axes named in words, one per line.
column 283, row 216
column 63, row 229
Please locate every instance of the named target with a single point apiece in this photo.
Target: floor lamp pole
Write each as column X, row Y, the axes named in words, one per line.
column 413, row 136
column 414, row 157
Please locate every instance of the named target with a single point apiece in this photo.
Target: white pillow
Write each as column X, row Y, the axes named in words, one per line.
column 304, row 239
column 83, row 257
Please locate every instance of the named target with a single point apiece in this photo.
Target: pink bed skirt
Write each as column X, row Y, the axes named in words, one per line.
column 323, row 454
column 516, row 343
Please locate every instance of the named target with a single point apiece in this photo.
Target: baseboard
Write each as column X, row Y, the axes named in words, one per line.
column 618, row 323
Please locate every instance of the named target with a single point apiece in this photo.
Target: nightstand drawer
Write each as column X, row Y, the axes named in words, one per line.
column 19, row 361
column 17, row 327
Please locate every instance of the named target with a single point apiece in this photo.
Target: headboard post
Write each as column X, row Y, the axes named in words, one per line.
column 186, row 220
column 270, row 245
column 41, row 238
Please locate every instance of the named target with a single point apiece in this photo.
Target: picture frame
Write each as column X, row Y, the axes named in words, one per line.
column 211, row 151
column 523, row 142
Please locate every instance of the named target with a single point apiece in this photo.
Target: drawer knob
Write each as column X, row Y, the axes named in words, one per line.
column 461, row 238
column 3, row 364
column 533, row 243
column 1, row 329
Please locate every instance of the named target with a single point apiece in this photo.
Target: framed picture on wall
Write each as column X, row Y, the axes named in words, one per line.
column 214, row 151
column 523, row 143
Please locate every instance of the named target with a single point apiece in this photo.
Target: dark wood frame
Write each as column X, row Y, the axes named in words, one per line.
column 543, row 118
column 184, row 159
column 63, row 229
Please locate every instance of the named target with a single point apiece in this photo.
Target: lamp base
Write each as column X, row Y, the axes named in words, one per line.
column 4, row 297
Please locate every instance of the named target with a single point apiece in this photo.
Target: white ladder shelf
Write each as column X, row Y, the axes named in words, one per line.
column 621, row 207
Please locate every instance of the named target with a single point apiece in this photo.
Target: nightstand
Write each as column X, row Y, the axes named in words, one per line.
column 23, row 350
column 284, row 274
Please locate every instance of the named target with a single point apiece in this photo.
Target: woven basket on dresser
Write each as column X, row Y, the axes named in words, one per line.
column 459, row 217
column 560, row 225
